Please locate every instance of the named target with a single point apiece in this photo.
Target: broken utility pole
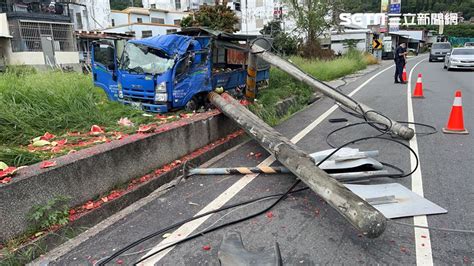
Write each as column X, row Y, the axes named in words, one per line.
column 359, row 213
column 399, row 129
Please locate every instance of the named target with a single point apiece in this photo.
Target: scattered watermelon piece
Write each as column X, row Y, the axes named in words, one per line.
column 56, row 149
column 270, row 215
column 160, row 116
column 47, row 164
column 47, row 136
column 6, row 180
column 89, row 205
column 206, row 247
column 8, row 171
column 61, row 142
column 145, row 129
column 96, row 130
column 124, row 121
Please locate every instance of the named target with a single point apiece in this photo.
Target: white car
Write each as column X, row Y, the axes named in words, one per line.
column 460, row 58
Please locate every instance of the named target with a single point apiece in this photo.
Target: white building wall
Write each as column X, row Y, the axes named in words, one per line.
column 67, row 57
column 119, row 18
column 99, row 13
column 134, row 18
column 172, row 16
column 254, row 15
column 338, row 40
column 168, row 4
column 26, row 58
column 95, row 14
column 139, row 28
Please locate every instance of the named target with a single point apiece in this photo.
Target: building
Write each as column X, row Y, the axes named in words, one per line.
column 90, row 15
column 342, row 40
column 41, row 33
column 145, row 22
column 176, row 5
column 253, row 14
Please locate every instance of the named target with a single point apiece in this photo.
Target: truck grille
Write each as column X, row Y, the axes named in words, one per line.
column 138, row 95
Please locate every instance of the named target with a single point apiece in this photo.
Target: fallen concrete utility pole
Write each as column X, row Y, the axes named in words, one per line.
column 359, row 213
column 341, row 177
column 397, row 128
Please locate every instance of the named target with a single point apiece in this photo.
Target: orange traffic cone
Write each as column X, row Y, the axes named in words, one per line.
column 456, row 121
column 404, row 74
column 418, row 93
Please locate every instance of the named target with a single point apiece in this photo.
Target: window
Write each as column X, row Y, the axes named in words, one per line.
column 259, row 3
column 104, row 53
column 139, row 20
column 177, row 22
column 259, row 23
column 143, row 59
column 171, row 31
column 87, row 25
column 177, row 4
column 27, row 36
column 153, row 6
column 158, row 20
column 113, row 22
column 146, row 33
column 237, row 5
column 79, row 21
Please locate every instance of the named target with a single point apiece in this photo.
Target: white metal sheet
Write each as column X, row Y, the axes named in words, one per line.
column 408, row 203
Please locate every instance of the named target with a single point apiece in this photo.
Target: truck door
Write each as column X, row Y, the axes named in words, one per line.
column 191, row 76
column 104, row 65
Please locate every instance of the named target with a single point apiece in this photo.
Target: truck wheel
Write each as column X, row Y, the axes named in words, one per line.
column 191, row 105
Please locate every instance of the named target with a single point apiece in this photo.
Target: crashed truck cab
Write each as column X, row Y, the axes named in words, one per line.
column 169, row 72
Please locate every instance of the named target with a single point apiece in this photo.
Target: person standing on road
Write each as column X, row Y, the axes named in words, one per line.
column 399, row 58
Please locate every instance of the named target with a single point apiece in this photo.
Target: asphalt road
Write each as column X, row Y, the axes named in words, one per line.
column 308, row 231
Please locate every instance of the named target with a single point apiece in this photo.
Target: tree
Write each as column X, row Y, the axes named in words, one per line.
column 218, row 17
column 313, row 18
column 122, row 4
column 283, row 42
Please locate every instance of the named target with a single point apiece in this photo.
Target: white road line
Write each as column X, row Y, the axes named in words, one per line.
column 186, row 229
column 422, row 236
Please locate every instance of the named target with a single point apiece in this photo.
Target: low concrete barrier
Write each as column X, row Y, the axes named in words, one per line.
column 94, row 171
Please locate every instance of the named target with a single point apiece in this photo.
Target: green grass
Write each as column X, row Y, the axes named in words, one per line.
column 32, row 103
column 283, row 86
column 332, row 69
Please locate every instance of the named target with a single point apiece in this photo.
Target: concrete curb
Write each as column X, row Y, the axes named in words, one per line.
column 104, row 166
column 51, row 240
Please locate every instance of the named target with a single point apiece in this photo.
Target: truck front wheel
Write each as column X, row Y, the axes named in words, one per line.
column 191, row 105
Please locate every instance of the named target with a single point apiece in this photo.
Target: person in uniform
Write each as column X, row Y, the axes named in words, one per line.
column 400, row 55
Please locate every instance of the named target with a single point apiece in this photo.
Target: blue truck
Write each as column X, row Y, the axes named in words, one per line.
column 176, row 71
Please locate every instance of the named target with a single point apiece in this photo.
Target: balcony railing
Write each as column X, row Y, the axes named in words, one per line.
column 35, row 10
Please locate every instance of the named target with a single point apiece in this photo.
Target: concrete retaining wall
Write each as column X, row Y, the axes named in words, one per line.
column 91, row 172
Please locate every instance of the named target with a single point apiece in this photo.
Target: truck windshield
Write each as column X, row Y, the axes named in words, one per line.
column 142, row 59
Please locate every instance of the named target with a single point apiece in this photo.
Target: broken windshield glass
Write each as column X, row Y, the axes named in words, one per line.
column 142, row 59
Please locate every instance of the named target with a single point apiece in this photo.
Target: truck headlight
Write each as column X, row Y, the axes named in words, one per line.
column 161, row 97
column 120, row 92
column 161, row 87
